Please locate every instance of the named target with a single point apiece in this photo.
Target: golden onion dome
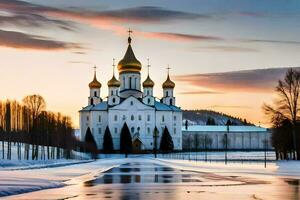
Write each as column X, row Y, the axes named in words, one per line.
column 113, row 82
column 168, row 83
column 148, row 82
column 129, row 63
column 95, row 83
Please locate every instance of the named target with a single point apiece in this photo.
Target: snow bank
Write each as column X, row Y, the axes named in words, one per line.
column 37, row 164
column 280, row 168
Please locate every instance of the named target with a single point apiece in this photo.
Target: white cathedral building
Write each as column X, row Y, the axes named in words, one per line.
column 127, row 103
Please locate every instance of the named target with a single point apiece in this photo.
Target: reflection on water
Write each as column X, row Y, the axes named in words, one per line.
column 149, row 181
column 147, row 174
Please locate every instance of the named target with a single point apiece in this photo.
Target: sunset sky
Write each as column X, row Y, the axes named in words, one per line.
column 225, row 55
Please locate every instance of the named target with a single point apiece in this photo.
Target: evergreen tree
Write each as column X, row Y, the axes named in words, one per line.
column 210, row 121
column 125, row 140
column 90, row 142
column 228, row 123
column 166, row 142
column 108, row 146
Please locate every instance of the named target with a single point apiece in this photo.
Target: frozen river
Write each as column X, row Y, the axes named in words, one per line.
column 153, row 180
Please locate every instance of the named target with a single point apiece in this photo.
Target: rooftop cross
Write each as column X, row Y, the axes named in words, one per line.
column 168, row 68
column 129, row 32
column 113, row 66
column 129, row 38
column 95, row 68
column 148, row 65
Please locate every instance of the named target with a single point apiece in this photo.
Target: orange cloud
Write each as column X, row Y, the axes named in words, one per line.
column 245, row 81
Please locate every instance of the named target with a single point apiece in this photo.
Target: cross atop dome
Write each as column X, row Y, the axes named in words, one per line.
column 129, row 34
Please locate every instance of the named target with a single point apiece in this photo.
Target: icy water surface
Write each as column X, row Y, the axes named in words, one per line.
column 151, row 181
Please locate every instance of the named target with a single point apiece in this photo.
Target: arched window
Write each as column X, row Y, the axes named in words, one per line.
column 148, row 93
column 140, row 117
column 149, row 100
column 111, row 92
column 167, row 93
column 148, row 118
column 163, row 118
column 132, row 117
column 113, row 100
column 92, row 101
column 132, row 129
column 116, row 117
column 99, row 119
column 171, row 102
column 95, row 93
column 135, row 83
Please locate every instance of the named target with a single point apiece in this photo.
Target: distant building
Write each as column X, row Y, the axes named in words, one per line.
column 214, row 137
column 129, row 103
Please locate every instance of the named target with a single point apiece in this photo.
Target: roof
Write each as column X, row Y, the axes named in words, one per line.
column 200, row 128
column 98, row 107
column 164, row 107
column 103, row 106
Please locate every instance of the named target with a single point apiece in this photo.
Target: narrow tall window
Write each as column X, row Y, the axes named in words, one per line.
column 99, row 130
column 148, row 118
column 132, row 117
column 95, row 94
column 148, row 131
column 132, row 129
column 163, row 118
column 140, row 117
column 130, row 79
column 116, row 117
column 167, row 94
column 116, row 130
column 99, row 119
column 174, row 131
column 87, row 118
column 171, row 102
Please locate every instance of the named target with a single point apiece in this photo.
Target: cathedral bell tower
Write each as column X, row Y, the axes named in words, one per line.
column 148, row 85
column 168, row 91
column 94, row 86
column 129, row 73
column 113, row 89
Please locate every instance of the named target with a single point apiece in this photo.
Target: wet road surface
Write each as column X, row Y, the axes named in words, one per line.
column 152, row 181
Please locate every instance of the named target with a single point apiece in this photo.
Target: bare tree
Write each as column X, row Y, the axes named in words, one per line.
column 286, row 105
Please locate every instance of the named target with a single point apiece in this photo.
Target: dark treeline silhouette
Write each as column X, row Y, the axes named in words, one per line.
column 284, row 115
column 42, row 133
column 208, row 116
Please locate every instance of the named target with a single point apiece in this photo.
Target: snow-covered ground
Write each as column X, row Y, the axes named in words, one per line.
column 13, row 181
column 60, row 174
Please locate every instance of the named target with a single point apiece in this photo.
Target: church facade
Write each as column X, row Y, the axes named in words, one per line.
column 132, row 102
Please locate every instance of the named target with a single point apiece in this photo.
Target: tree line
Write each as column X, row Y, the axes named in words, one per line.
column 41, row 133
